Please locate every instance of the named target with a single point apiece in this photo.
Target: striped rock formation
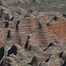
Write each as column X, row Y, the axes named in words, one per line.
column 41, row 34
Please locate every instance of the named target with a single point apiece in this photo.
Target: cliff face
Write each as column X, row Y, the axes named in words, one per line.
column 31, row 38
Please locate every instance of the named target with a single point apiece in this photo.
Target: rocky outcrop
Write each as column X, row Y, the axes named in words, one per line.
column 31, row 38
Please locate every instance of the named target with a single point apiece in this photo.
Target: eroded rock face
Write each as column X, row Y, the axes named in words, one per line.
column 36, row 37
column 8, row 61
column 31, row 38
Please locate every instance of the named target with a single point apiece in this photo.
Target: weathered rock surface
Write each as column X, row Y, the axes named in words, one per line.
column 31, row 38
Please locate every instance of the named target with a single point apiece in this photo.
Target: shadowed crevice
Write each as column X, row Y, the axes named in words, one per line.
column 8, row 35
column 51, row 44
column 1, row 52
column 6, row 24
column 48, row 24
column 60, row 54
column 17, row 25
column 39, row 24
column 34, row 61
column 48, row 59
column 27, row 43
column 13, row 50
column 64, row 15
column 55, row 18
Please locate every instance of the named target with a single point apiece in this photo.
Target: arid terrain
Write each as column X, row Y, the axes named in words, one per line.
column 32, row 32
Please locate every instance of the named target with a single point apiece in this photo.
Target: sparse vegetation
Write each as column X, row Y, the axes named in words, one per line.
column 44, row 5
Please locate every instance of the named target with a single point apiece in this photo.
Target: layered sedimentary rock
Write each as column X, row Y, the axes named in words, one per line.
column 31, row 38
